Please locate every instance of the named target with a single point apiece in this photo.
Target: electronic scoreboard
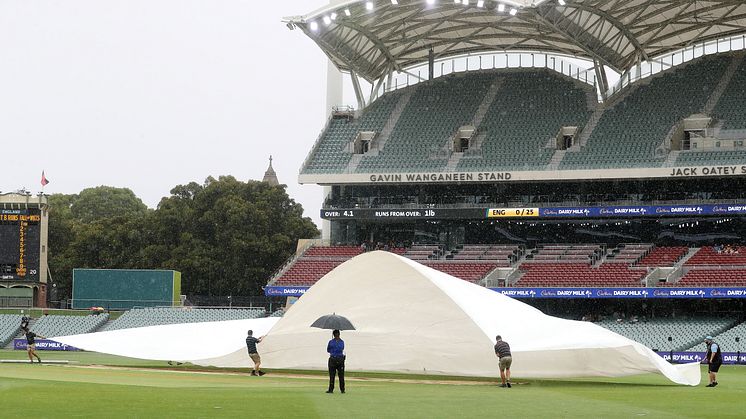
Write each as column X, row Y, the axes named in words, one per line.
column 20, row 235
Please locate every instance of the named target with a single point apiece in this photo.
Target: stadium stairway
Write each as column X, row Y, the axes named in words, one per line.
column 725, row 82
column 726, row 338
column 484, row 107
column 10, row 328
column 380, row 140
column 628, row 134
column 685, row 332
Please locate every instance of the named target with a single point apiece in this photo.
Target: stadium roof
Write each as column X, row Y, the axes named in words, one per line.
column 373, row 38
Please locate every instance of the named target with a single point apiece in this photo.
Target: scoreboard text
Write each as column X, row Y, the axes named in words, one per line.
column 19, row 244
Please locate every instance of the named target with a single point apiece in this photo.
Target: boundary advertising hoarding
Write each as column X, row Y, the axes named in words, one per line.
column 43, row 345
column 614, row 293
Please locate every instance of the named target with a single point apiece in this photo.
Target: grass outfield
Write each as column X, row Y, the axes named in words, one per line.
column 135, row 388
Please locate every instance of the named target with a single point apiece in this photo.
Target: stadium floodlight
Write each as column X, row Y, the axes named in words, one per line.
column 369, row 5
column 500, row 7
column 561, row 2
column 465, row 2
column 431, row 2
column 327, row 20
column 456, row 1
column 314, row 26
column 334, row 16
column 394, row 2
column 513, row 11
column 480, row 3
column 347, row 12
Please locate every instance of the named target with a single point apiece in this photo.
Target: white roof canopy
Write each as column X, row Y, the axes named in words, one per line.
column 617, row 33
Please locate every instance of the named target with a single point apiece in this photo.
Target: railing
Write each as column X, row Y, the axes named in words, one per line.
column 38, row 312
column 292, row 259
column 515, row 204
column 666, row 62
column 720, row 134
column 80, row 303
column 494, row 61
column 689, row 268
column 228, row 307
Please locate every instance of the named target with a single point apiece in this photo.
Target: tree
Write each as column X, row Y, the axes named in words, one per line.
column 96, row 228
column 103, row 202
column 225, row 236
column 240, row 232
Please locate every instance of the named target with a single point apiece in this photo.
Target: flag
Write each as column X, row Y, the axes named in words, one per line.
column 44, row 179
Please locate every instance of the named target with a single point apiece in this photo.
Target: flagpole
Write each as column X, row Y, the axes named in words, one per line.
column 44, row 181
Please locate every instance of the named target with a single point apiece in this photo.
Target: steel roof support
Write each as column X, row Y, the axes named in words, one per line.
column 358, row 91
column 603, row 81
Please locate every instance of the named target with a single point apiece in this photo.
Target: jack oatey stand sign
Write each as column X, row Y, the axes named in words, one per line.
column 43, row 345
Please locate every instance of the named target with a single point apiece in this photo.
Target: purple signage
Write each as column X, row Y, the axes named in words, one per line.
column 623, row 292
column 285, row 291
column 43, row 345
column 687, row 357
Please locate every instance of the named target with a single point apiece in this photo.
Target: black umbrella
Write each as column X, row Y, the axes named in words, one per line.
column 333, row 321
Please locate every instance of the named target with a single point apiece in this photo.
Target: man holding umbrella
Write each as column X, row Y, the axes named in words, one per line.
column 336, row 348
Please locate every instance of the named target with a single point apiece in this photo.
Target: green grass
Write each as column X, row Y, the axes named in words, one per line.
column 135, row 388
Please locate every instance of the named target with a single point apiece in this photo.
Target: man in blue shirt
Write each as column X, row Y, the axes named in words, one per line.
column 714, row 360
column 336, row 348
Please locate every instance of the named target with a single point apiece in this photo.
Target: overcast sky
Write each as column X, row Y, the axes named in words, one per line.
column 149, row 94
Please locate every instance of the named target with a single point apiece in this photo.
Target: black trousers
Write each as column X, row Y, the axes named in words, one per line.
column 337, row 366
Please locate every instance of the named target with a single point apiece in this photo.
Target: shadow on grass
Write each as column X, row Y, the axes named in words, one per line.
column 596, row 383
column 573, row 383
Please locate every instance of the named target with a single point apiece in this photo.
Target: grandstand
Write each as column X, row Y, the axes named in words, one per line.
column 629, row 133
column 664, row 256
column 580, row 275
column 510, row 137
column 332, row 152
column 154, row 316
column 726, row 339
column 415, row 126
column 580, row 159
column 433, row 115
column 528, row 168
column 547, row 265
column 58, row 325
column 555, row 146
column 66, row 323
column 10, row 325
column 730, row 109
column 685, row 334
column 470, row 262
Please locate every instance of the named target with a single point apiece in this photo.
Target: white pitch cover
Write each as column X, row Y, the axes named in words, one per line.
column 409, row 318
